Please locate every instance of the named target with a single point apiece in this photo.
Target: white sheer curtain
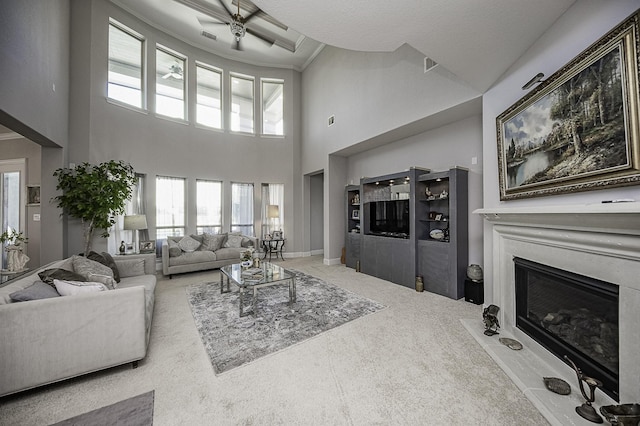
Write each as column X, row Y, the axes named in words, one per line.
column 272, row 194
column 242, row 208
column 135, row 205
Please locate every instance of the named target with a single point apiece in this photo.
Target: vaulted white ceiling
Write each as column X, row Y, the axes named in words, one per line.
column 477, row 40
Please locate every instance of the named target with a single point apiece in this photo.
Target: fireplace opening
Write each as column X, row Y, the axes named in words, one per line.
column 571, row 314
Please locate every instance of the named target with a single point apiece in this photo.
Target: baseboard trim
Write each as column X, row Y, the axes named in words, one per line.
column 330, row 262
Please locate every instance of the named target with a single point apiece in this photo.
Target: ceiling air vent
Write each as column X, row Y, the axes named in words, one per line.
column 208, row 35
column 429, row 64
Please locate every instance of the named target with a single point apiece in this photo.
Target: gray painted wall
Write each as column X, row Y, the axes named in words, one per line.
column 583, row 24
column 102, row 130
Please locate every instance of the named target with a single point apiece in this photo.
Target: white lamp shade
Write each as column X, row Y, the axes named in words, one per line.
column 273, row 211
column 135, row 222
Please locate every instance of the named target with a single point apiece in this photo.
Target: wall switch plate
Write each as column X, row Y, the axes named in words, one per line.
column 331, row 120
column 36, row 217
column 474, row 160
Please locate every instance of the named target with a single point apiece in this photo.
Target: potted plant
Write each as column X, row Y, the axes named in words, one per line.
column 95, row 194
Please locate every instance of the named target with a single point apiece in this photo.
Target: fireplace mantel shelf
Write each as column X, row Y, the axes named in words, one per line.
column 622, row 217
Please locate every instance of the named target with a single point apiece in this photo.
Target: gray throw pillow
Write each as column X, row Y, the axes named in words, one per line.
column 131, row 267
column 188, row 244
column 234, row 241
column 174, row 248
column 37, row 290
column 89, row 268
column 48, row 275
column 213, row 242
column 106, row 260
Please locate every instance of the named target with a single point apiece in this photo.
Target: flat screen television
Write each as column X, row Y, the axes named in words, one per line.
column 390, row 218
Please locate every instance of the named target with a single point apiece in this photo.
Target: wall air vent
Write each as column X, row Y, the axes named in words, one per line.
column 429, row 64
column 208, row 35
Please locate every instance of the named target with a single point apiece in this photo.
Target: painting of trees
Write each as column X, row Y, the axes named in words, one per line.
column 580, row 125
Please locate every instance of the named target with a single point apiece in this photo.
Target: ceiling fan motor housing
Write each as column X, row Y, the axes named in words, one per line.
column 237, row 29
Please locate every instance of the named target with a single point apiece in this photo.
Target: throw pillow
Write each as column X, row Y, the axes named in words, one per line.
column 103, row 279
column 106, row 259
column 213, row 242
column 234, row 241
column 71, row 288
column 174, row 248
column 131, row 267
column 87, row 267
column 37, row 290
column 48, row 275
column 188, row 244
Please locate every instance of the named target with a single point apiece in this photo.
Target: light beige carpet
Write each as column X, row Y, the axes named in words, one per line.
column 412, row 363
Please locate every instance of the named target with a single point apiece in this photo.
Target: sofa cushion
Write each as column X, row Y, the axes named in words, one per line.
column 234, row 241
column 193, row 257
column 174, row 248
column 93, row 271
column 213, row 242
column 71, row 288
column 188, row 244
column 131, row 267
column 229, row 253
column 106, row 260
column 48, row 275
column 37, row 290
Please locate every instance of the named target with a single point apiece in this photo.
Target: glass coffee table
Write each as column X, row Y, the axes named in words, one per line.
column 253, row 278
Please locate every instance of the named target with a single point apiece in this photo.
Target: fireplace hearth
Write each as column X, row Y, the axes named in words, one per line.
column 570, row 315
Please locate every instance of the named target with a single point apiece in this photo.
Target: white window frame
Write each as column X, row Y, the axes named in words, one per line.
column 179, row 57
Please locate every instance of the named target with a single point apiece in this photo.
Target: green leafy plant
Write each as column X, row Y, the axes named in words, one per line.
column 95, row 194
column 13, row 237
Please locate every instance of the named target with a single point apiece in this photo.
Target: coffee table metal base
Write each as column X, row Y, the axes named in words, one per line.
column 243, row 289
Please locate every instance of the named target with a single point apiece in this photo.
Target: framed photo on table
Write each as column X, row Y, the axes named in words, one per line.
column 277, row 235
column 147, row 246
column 579, row 129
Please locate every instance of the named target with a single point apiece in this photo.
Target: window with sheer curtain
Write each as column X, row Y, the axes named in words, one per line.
column 135, row 205
column 242, row 208
column 170, row 207
column 272, row 195
column 208, row 206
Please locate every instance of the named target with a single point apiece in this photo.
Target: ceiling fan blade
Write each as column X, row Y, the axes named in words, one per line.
column 222, row 3
column 204, row 22
column 252, row 14
column 262, row 37
column 166, row 76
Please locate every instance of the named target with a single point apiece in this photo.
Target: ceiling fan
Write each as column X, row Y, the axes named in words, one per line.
column 175, row 71
column 238, row 25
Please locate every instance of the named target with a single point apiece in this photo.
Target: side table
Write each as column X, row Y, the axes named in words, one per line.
column 273, row 246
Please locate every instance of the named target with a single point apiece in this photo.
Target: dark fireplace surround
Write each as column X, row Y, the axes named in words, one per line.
column 573, row 315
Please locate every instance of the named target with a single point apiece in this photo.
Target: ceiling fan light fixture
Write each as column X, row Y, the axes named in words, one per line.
column 237, row 29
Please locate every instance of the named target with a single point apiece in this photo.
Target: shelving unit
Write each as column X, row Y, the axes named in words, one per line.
column 352, row 240
column 442, row 205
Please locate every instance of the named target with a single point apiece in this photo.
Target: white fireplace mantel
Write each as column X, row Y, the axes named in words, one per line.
column 598, row 240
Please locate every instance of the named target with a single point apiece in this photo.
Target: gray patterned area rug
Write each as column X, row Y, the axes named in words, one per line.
column 232, row 341
column 135, row 411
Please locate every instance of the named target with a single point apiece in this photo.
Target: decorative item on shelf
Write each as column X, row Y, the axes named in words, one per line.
column 474, row 272
column 490, row 319
column 444, row 194
column 122, row 248
column 428, row 192
column 355, row 214
column 622, row 415
column 437, row 234
column 559, row 386
column 586, row 410
column 147, row 246
column 432, row 215
column 438, row 217
column 356, row 199
column 419, row 284
column 15, row 241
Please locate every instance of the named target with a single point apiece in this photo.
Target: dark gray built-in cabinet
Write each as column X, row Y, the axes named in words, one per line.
column 411, row 223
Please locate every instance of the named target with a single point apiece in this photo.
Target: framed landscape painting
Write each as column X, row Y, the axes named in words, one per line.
column 578, row 130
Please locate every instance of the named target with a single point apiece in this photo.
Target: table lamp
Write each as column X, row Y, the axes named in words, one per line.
column 135, row 222
column 273, row 212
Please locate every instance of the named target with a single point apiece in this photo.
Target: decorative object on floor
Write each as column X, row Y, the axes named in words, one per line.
column 231, row 341
column 490, row 318
column 15, row 242
column 474, row 272
column 578, row 130
column 557, row 385
column 586, row 410
column 622, row 415
column 135, row 411
column 511, row 343
column 419, row 284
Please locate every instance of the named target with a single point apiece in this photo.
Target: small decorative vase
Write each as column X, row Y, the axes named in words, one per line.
column 419, row 284
column 474, row 272
column 246, row 263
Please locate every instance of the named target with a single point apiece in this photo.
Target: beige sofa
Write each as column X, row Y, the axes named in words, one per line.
column 208, row 252
column 48, row 340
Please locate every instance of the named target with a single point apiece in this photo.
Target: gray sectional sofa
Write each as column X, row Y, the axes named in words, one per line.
column 203, row 251
column 56, row 338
